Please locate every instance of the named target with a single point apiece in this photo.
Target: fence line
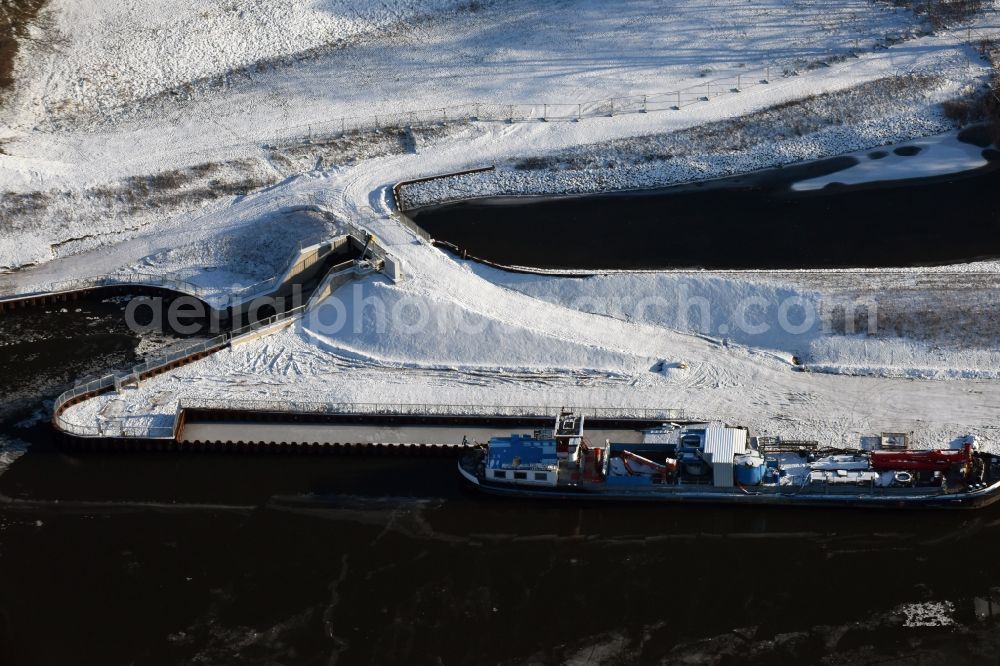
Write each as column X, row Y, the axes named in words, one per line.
column 609, row 107
column 672, row 100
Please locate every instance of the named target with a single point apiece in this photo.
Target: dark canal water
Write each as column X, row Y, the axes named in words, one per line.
column 202, row 559
column 751, row 221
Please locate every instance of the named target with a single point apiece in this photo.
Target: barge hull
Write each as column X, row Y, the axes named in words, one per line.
column 957, row 501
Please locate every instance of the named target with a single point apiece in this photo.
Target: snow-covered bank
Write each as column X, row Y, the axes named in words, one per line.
column 380, row 320
column 876, row 114
column 487, row 340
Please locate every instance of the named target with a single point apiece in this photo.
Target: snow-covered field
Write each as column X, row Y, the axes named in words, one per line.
column 178, row 108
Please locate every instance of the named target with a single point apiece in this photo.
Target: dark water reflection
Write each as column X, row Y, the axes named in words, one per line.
column 214, row 559
column 171, row 559
column 753, row 221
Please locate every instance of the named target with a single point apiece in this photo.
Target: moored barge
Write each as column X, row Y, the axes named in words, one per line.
column 714, row 463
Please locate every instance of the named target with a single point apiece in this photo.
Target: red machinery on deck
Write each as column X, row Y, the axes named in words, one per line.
column 938, row 460
column 636, row 465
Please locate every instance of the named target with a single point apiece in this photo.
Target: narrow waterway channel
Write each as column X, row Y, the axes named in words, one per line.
column 755, row 221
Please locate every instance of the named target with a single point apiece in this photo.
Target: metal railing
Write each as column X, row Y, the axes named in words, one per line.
column 145, row 427
column 139, row 279
column 326, row 287
column 210, row 295
column 429, row 409
column 115, row 427
column 120, row 428
column 374, row 247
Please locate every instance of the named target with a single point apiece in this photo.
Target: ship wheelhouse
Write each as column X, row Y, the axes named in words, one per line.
column 534, row 459
column 523, row 459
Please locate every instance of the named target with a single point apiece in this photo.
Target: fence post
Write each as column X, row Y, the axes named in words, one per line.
column 545, row 112
column 612, row 107
column 343, row 125
column 511, row 113
column 476, row 117
column 644, row 104
column 579, row 111
column 376, row 121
